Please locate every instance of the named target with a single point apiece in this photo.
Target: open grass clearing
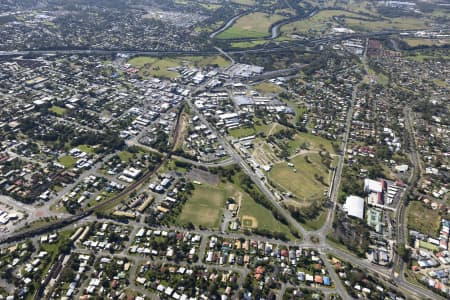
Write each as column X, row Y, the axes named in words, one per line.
column 164, row 67
column 428, row 246
column 423, row 219
column 318, row 222
column 210, row 6
column 441, row 83
column 241, row 132
column 367, row 7
column 311, row 142
column 68, row 161
column 204, row 61
column 207, row 203
column 204, row 207
column 321, row 21
column 263, row 153
column 125, row 156
column 378, row 77
column 258, row 127
column 268, row 88
column 414, row 42
column 253, row 25
column 249, row 44
column 264, row 218
column 155, row 66
column 300, row 109
column 210, row 28
column 244, row 2
column 303, row 182
column 184, row 121
column 405, row 23
column 86, row 148
column 422, row 57
column 58, row 110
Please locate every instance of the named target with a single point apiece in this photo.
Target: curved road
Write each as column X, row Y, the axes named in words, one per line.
column 227, row 25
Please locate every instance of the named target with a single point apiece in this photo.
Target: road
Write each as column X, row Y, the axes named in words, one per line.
column 227, row 25
column 322, row 246
column 322, row 232
column 335, row 278
column 247, row 170
column 231, row 59
column 398, row 270
column 260, row 49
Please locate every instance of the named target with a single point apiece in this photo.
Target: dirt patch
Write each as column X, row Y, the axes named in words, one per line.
column 203, row 176
column 297, row 204
column 184, row 124
column 238, row 197
column 263, row 154
column 249, row 222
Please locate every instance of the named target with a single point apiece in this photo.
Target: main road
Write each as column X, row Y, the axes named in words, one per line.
column 259, row 49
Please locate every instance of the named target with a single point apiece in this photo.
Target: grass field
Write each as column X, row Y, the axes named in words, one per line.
column 422, row 57
column 58, row 110
column 125, row 156
column 204, row 61
column 159, row 67
column 428, row 246
column 380, row 77
column 413, row 42
column 86, row 148
column 207, row 203
column 205, row 207
column 423, row 219
column 267, row 87
column 242, row 132
column 254, row 25
column 357, row 6
column 314, row 142
column 393, row 23
column 249, row 44
column 319, row 22
column 264, row 217
column 211, row 6
column 318, row 222
column 302, row 183
column 154, row 66
column 323, row 21
column 259, row 127
column 244, row 2
column 441, row 83
column 68, row 161
column 184, row 125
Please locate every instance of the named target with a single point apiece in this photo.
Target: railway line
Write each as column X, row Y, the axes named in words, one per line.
column 82, row 214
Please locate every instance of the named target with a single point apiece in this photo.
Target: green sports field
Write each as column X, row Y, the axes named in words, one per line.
column 205, row 207
column 254, row 25
column 302, row 182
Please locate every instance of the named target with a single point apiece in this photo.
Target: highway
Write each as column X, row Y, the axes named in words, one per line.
column 247, row 170
column 399, row 267
column 227, row 25
column 322, row 246
column 259, row 49
column 322, row 232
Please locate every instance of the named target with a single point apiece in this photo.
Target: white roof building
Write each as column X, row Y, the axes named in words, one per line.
column 372, row 186
column 354, row 206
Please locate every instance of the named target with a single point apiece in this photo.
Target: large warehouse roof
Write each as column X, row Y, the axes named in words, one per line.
column 354, row 206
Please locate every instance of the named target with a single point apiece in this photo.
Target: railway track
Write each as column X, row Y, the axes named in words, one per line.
column 82, row 214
